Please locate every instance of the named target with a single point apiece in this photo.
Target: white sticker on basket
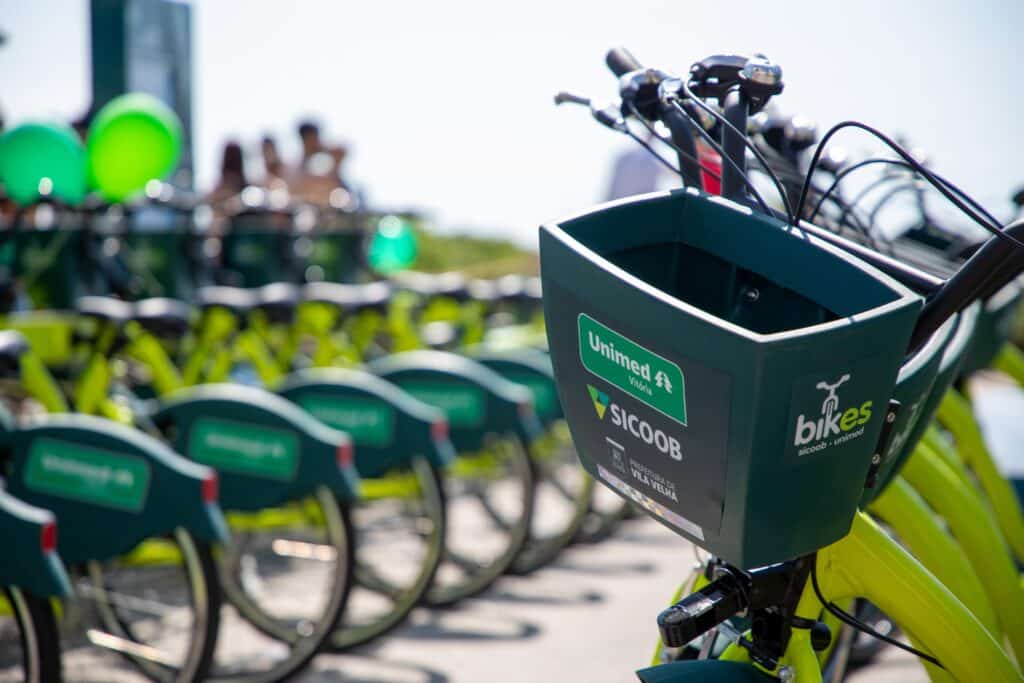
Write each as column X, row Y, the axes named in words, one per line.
column 651, row 506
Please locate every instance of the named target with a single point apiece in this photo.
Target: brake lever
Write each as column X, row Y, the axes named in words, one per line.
column 569, row 98
column 609, row 116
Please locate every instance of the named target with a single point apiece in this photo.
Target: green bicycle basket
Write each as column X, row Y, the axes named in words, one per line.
column 334, row 251
column 259, row 249
column 51, row 265
column 994, row 325
column 953, row 357
column 726, row 372
column 160, row 261
column 914, row 386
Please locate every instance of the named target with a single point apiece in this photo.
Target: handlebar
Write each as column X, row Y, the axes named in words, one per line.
column 993, row 266
column 621, row 61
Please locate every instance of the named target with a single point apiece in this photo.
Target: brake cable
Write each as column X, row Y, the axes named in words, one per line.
column 678, row 150
column 951, row 192
column 746, row 142
column 853, row 622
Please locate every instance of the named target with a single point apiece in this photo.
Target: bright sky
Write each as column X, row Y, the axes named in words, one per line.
column 447, row 104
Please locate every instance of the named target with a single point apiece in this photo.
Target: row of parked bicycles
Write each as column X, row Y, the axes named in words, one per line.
column 769, row 365
column 249, row 477
column 776, row 367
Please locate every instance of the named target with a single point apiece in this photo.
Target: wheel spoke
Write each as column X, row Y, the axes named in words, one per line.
column 108, row 641
column 129, row 602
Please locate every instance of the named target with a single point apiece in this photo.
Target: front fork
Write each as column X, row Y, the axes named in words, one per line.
column 869, row 564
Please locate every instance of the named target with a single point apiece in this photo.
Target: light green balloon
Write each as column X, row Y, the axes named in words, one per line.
column 393, row 246
column 47, row 157
column 134, row 138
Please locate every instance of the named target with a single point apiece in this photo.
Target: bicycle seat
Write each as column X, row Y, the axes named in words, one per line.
column 104, row 308
column 483, row 290
column 427, row 285
column 13, row 346
column 372, row 295
column 163, row 317
column 452, row 285
column 235, row 299
column 519, row 289
column 422, row 284
column 532, row 289
column 278, row 301
column 334, row 293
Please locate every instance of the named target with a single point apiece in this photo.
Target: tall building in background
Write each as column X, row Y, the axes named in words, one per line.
column 145, row 46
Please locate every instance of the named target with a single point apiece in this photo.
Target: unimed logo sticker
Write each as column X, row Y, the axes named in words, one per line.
column 623, row 363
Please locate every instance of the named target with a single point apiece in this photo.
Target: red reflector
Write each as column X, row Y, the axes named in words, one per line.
column 710, row 168
column 526, row 409
column 345, row 455
column 48, row 537
column 211, row 488
column 439, row 430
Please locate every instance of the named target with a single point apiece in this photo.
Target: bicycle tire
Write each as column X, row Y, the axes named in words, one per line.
column 429, row 522
column 121, row 632
column 574, row 498
column 249, row 563
column 38, row 639
column 476, row 575
column 603, row 521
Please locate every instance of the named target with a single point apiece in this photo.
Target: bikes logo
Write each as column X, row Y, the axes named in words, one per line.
column 834, row 425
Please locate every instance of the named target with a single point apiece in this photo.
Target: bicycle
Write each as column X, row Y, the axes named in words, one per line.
column 33, row 579
column 579, row 249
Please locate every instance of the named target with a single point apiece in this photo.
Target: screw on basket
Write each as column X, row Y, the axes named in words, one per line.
column 884, row 440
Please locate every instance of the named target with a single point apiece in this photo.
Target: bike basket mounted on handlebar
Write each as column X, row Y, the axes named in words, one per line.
column 914, row 386
column 995, row 324
column 728, row 373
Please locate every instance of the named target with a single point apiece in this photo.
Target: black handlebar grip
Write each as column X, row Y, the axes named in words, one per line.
column 991, row 268
column 620, row 61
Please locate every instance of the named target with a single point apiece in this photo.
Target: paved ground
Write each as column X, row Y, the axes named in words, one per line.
column 588, row 618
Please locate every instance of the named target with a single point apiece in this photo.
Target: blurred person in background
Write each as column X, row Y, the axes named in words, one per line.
column 317, row 178
column 223, row 199
column 309, row 135
column 274, row 171
column 635, row 171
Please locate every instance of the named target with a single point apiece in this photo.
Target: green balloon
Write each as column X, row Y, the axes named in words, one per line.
column 393, row 246
column 134, row 138
column 42, row 157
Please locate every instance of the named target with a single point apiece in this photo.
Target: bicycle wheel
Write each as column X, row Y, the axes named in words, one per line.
column 563, row 499
column 29, row 642
column 400, row 524
column 491, row 498
column 158, row 606
column 287, row 573
column 607, row 512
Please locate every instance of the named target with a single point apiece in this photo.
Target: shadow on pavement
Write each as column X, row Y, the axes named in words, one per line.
column 368, row 669
column 604, row 568
column 549, row 598
column 444, row 625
